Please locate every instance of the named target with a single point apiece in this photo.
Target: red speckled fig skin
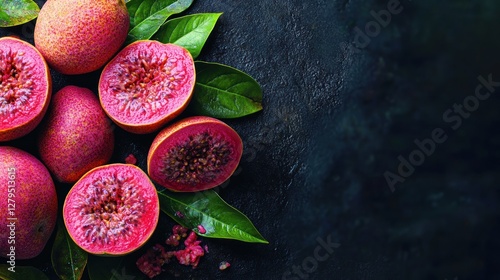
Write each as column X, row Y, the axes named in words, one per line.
column 76, row 136
column 33, row 200
column 25, row 119
column 80, row 36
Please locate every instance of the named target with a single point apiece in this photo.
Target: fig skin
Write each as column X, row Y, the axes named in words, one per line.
column 116, row 205
column 21, row 126
column 180, row 131
column 35, row 200
column 80, row 36
column 142, row 120
column 76, row 136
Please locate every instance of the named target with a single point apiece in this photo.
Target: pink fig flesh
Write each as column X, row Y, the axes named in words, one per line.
column 194, row 154
column 146, row 85
column 112, row 210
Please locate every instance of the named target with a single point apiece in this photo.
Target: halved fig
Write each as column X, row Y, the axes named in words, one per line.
column 25, row 88
column 194, row 154
column 112, row 210
column 146, row 85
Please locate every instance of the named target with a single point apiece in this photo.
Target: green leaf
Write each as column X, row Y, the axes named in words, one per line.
column 132, row 6
column 224, row 92
column 190, row 32
column 21, row 273
column 208, row 209
column 147, row 16
column 68, row 260
column 17, row 12
column 114, row 268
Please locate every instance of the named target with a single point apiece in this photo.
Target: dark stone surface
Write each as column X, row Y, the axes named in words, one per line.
column 338, row 113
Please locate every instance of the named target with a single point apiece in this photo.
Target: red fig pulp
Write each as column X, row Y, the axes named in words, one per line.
column 112, row 210
column 25, row 88
column 194, row 154
column 146, row 85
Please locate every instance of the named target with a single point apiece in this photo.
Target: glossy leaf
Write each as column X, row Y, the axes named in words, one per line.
column 68, row 260
column 17, row 12
column 207, row 208
column 224, row 92
column 132, row 6
column 114, row 268
column 21, row 273
column 190, row 32
column 147, row 17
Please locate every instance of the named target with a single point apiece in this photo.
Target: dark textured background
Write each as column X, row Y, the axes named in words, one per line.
column 337, row 116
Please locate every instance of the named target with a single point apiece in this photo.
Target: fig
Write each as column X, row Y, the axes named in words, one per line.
column 76, row 135
column 29, row 204
column 146, row 85
column 112, row 210
column 25, row 88
column 80, row 36
column 194, row 154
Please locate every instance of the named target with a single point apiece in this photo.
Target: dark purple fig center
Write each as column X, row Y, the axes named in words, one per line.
column 200, row 159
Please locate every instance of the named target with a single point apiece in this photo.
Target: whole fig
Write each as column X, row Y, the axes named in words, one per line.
column 80, row 36
column 29, row 204
column 76, row 136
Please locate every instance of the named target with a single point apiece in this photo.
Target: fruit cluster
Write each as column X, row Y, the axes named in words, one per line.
column 155, row 257
column 142, row 88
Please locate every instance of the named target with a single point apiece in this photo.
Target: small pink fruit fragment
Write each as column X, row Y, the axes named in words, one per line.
column 179, row 214
column 178, row 229
column 224, row 265
column 192, row 253
column 151, row 262
column 173, row 240
column 201, row 229
column 130, row 159
column 178, row 232
column 191, row 239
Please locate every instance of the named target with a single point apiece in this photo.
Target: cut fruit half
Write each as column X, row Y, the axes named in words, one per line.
column 25, row 88
column 146, row 85
column 194, row 154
